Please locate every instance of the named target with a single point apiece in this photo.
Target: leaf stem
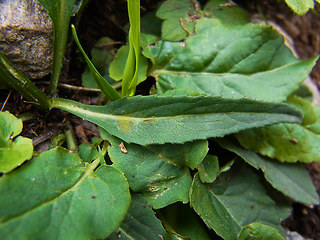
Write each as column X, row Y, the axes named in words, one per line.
column 15, row 79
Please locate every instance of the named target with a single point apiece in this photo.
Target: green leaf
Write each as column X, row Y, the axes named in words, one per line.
column 209, row 169
column 226, row 12
column 118, row 64
column 62, row 199
column 88, row 152
column 229, row 60
column 300, row 7
column 212, row 211
column 140, row 223
column 178, row 119
column 258, row 231
column 101, row 56
column 179, row 18
column 60, row 12
column 181, row 221
column 13, row 152
column 285, row 142
column 292, row 180
column 130, row 75
column 159, row 172
column 103, row 84
column 236, row 199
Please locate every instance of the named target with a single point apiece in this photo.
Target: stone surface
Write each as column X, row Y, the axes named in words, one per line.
column 26, row 36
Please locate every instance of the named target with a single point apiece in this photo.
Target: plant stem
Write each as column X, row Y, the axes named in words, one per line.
column 15, row 79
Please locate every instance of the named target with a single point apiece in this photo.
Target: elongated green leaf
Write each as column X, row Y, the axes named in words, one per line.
column 140, row 223
column 159, row 119
column 258, row 231
column 13, row 152
column 102, row 83
column 130, row 75
column 159, row 172
column 60, row 12
column 300, row 7
column 228, row 60
column 292, row 180
column 236, row 199
column 179, row 18
column 62, row 199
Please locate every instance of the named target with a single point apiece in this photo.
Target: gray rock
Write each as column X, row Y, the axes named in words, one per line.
column 26, row 36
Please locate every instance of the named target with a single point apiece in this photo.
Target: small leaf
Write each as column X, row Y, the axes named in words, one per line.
column 62, row 199
column 209, row 169
column 292, row 180
column 300, row 7
column 159, row 119
column 258, row 231
column 13, row 152
column 236, row 199
column 118, row 64
column 159, row 172
column 179, row 17
column 140, row 223
column 229, row 60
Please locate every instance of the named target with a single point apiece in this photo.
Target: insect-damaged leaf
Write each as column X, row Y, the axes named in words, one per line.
column 160, row 119
column 159, row 172
column 62, row 199
column 229, row 60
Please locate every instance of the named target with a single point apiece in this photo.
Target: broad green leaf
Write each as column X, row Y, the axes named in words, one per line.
column 118, row 64
column 300, row 7
column 292, row 180
column 227, row 60
column 62, row 199
column 285, row 142
column 226, row 11
column 236, row 199
column 103, row 84
column 179, row 18
column 159, row 172
column 258, row 231
column 209, row 169
column 159, row 119
column 140, row 223
column 60, row 11
column 183, row 223
column 13, row 152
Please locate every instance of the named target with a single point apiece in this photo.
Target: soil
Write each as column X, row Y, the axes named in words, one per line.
column 108, row 18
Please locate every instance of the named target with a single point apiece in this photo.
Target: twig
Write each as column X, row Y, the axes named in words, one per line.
column 5, row 102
